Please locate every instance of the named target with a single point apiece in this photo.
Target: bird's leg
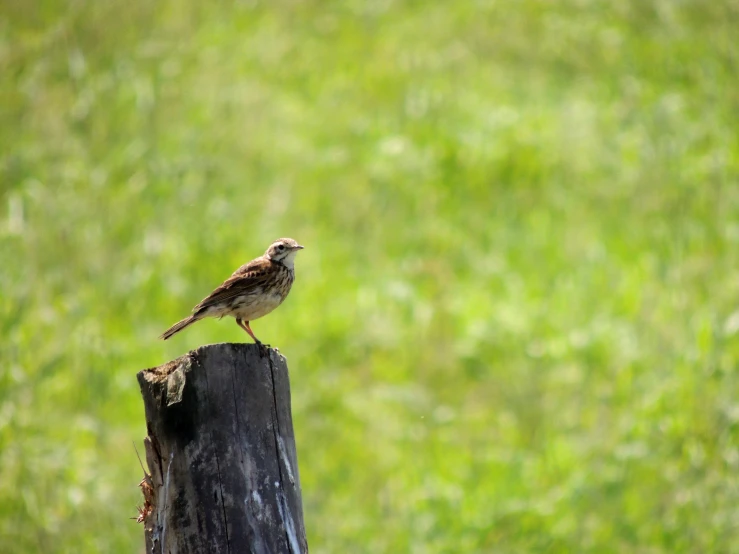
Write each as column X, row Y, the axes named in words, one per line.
column 245, row 326
column 264, row 348
column 240, row 323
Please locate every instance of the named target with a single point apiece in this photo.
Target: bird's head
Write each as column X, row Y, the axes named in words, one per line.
column 283, row 251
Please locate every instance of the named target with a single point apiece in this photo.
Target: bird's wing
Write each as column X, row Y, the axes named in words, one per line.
column 245, row 280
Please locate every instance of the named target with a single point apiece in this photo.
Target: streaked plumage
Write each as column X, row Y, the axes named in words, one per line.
column 252, row 291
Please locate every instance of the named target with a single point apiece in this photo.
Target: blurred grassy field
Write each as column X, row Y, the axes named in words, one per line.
column 516, row 322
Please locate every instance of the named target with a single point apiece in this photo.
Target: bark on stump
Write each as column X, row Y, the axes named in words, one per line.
column 221, row 452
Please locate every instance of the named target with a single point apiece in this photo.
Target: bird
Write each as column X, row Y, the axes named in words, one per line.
column 252, row 291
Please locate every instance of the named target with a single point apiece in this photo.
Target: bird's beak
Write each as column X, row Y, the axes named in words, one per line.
column 299, row 247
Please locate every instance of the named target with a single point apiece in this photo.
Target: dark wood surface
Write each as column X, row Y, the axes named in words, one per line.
column 221, row 454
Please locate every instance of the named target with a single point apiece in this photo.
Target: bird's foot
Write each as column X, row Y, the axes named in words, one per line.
column 263, row 349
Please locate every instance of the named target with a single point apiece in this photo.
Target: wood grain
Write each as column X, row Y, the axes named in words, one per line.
column 221, row 453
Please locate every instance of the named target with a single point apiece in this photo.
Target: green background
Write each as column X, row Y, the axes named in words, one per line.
column 515, row 324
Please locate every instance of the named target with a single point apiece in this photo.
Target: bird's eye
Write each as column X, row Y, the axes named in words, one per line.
column 281, row 247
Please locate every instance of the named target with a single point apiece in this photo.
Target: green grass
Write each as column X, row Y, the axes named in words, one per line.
column 515, row 326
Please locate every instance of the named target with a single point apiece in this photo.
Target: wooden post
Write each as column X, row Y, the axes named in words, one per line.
column 221, row 454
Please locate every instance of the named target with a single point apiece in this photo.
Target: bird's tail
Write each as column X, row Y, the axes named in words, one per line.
column 179, row 326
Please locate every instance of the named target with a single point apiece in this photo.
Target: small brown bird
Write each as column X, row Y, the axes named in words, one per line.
column 252, row 291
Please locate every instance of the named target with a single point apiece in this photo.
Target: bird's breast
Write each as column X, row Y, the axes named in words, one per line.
column 263, row 300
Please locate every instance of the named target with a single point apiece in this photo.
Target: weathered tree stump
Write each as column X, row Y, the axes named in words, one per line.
column 221, row 454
